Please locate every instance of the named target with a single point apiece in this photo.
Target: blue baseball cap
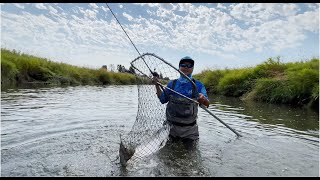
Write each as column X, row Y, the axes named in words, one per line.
column 186, row 59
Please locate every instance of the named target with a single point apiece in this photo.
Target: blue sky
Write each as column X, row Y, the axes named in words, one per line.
column 216, row 35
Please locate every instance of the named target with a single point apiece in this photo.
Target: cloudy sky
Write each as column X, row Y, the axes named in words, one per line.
column 216, row 35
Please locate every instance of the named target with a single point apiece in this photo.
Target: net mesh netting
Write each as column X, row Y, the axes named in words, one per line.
column 150, row 131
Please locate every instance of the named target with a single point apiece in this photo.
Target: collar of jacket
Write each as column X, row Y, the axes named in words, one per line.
column 182, row 79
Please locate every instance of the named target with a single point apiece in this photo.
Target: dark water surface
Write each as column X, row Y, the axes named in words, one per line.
column 74, row 131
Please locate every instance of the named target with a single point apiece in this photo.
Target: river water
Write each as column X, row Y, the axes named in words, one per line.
column 74, row 131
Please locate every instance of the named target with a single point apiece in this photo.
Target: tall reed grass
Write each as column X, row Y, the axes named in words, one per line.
column 272, row 81
column 19, row 68
column 295, row 83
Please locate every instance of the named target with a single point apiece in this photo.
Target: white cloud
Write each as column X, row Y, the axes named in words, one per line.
column 40, row 6
column 37, row 28
column 93, row 5
column 220, row 6
column 313, row 6
column 178, row 27
column 285, row 9
column 148, row 4
column 127, row 16
column 59, row 8
column 184, row 7
column 257, row 13
column 52, row 10
column 88, row 13
column 308, row 21
column 19, row 5
column 104, row 9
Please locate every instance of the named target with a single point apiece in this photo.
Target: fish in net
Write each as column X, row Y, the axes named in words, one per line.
column 150, row 131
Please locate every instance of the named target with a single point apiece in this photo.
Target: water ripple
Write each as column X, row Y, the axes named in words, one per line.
column 74, row 131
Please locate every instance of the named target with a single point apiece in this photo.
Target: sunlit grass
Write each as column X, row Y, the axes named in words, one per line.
column 272, row 81
column 18, row 68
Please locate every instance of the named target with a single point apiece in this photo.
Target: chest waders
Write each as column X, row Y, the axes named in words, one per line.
column 182, row 114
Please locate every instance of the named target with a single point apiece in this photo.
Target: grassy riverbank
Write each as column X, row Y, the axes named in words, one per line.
column 19, row 68
column 272, row 81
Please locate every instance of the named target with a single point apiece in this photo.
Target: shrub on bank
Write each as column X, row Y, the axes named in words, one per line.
column 272, row 81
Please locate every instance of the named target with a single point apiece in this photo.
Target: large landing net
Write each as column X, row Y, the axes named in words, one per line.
column 150, row 130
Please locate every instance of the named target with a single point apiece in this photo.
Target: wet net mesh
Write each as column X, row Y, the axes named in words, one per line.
column 149, row 132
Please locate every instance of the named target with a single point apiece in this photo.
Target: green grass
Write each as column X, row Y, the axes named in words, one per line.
column 272, row 81
column 236, row 82
column 19, row 68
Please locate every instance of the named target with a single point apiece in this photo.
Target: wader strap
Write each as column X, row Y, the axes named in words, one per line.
column 181, row 124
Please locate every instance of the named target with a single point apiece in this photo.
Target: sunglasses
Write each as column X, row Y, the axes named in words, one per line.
column 186, row 65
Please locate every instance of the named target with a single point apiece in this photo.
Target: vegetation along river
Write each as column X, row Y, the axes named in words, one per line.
column 74, row 131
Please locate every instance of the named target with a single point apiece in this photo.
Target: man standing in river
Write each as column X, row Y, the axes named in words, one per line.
column 182, row 113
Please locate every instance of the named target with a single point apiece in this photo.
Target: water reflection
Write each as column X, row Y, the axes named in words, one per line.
column 301, row 119
column 74, row 131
